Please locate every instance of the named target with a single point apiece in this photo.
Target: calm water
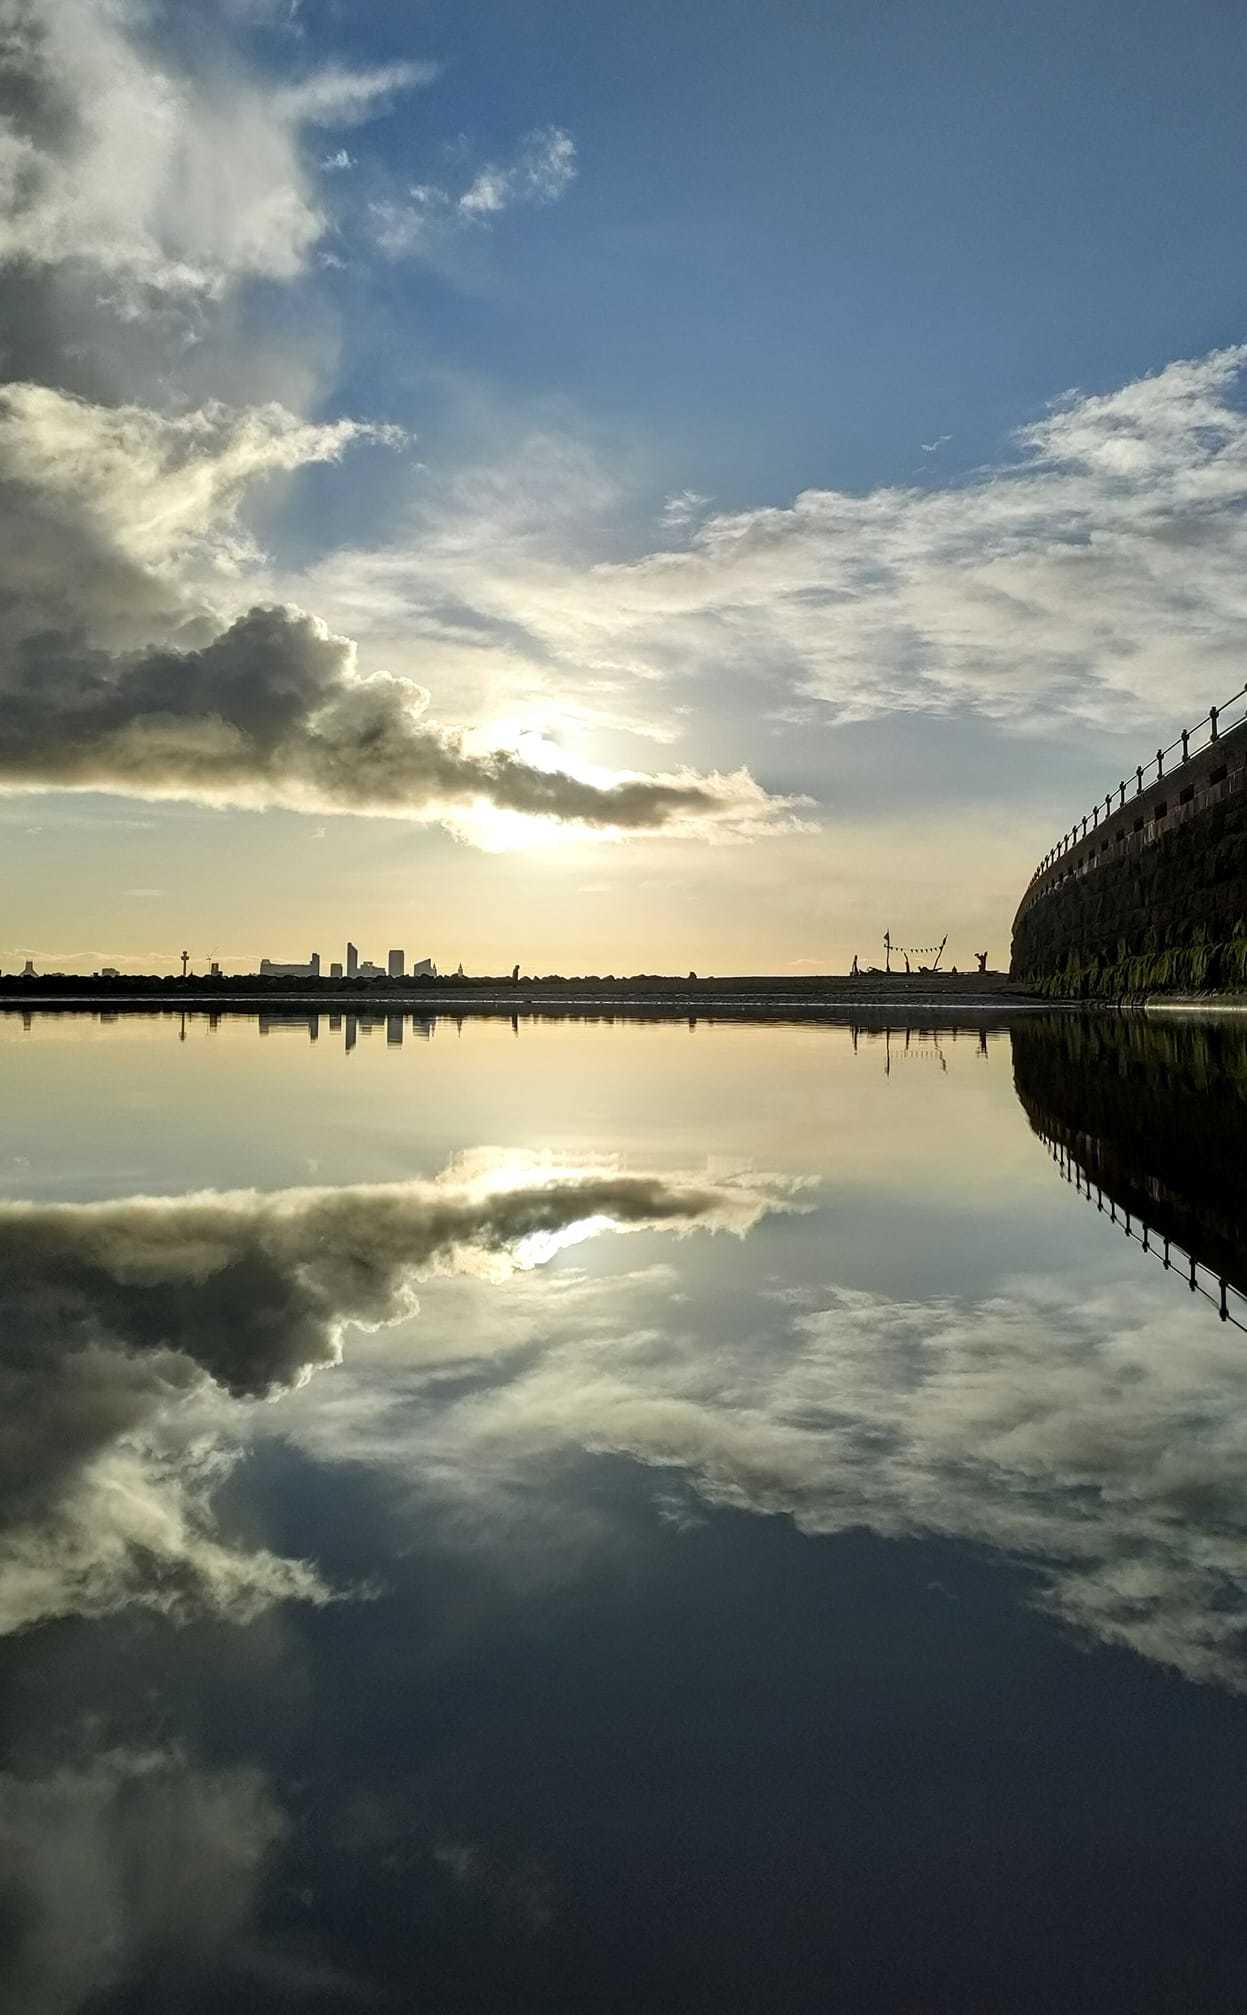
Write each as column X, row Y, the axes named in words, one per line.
column 622, row 1516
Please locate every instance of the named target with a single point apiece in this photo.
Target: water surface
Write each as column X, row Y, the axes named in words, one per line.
column 576, row 1515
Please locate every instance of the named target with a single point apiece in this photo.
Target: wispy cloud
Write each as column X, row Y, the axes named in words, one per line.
column 1098, row 575
column 684, row 509
column 1036, row 1422
column 542, row 169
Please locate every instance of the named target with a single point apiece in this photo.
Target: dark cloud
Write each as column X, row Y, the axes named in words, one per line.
column 122, row 266
column 117, row 525
column 254, row 1289
column 271, row 712
column 113, row 1314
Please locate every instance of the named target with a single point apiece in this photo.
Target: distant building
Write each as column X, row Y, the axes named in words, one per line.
column 28, row 970
column 335, row 970
column 352, row 960
column 214, row 970
column 108, row 973
column 397, row 963
column 269, row 969
column 424, row 969
column 366, row 970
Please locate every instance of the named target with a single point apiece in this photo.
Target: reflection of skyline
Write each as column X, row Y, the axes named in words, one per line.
column 349, row 1026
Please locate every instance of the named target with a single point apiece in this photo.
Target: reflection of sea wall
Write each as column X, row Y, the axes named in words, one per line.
column 1154, row 1118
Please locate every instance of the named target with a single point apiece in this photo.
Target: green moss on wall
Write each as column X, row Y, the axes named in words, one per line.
column 1170, row 918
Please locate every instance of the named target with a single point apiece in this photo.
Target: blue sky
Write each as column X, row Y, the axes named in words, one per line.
column 805, row 239
column 826, row 421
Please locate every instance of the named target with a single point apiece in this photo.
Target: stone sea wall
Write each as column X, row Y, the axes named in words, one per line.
column 1153, row 897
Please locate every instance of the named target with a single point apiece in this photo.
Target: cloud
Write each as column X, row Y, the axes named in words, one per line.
column 1099, row 576
column 124, row 1326
column 106, row 510
column 543, row 169
column 87, row 1903
column 160, row 180
column 1058, row 1428
column 1105, row 567
column 119, row 522
column 274, row 712
column 683, row 509
column 338, row 97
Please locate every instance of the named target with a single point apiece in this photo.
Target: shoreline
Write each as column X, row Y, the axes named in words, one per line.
column 632, row 1007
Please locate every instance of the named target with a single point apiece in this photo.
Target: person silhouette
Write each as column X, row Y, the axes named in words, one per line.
column 982, row 959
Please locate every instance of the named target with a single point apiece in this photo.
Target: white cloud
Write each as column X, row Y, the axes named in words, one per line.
column 542, row 170
column 113, row 514
column 1059, row 1428
column 684, row 509
column 161, row 180
column 90, row 1902
column 338, row 97
column 1100, row 577
column 135, row 1529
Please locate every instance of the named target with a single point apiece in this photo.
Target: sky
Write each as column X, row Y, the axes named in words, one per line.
column 613, row 491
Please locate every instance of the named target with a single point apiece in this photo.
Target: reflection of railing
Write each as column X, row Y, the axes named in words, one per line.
column 1192, row 742
column 919, row 1043
column 1166, row 1250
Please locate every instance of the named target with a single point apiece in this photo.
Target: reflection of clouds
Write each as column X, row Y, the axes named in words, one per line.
column 116, row 1864
column 1095, row 1437
column 118, row 1320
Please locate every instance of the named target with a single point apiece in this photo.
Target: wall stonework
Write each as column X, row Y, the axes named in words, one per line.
column 1163, row 873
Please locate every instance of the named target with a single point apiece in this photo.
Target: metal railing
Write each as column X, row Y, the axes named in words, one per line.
column 1228, row 1300
column 1190, row 743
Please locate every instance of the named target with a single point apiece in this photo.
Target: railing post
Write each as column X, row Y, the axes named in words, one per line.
column 1139, row 785
column 1160, row 762
column 1123, row 796
column 1186, row 743
column 1212, row 722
